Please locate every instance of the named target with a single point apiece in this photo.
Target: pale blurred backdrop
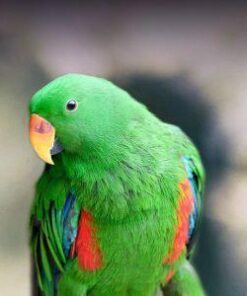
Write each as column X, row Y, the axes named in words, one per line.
column 188, row 63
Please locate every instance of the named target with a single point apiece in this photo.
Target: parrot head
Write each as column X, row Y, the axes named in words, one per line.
column 78, row 115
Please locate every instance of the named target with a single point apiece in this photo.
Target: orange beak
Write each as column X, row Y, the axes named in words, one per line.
column 42, row 137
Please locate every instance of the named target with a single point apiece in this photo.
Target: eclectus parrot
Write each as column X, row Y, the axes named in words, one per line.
column 118, row 204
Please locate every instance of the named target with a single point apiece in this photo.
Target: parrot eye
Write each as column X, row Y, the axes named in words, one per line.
column 71, row 105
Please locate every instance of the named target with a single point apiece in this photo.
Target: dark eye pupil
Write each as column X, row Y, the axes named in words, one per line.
column 71, row 105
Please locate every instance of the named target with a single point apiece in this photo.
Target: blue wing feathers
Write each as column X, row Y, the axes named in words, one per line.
column 195, row 214
column 70, row 225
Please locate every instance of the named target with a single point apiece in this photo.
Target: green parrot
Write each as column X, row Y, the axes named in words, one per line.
column 118, row 204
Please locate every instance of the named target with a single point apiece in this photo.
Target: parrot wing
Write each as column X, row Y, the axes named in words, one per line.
column 188, row 209
column 52, row 239
column 196, row 180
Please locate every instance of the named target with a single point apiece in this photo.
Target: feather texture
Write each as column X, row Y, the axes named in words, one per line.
column 52, row 239
column 87, row 246
column 195, row 180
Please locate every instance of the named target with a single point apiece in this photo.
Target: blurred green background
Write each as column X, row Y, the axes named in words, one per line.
column 187, row 63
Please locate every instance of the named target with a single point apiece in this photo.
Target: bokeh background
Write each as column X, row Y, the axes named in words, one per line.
column 187, row 62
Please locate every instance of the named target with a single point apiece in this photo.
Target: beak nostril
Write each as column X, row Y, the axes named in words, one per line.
column 43, row 127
